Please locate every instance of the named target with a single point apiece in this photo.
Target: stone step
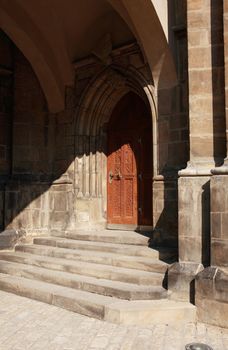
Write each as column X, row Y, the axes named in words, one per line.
column 105, row 236
column 152, row 312
column 88, row 269
column 99, row 306
column 84, row 303
column 123, row 249
column 90, row 284
column 138, row 263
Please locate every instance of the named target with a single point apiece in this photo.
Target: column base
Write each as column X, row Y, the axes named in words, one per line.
column 10, row 237
column 194, row 219
column 181, row 280
column 211, row 298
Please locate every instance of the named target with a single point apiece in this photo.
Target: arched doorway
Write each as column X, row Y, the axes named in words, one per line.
column 129, row 165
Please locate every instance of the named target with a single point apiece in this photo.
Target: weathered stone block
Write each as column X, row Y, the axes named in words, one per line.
column 196, row 5
column 218, row 199
column 189, row 248
column 181, row 280
column 199, row 19
column 205, row 282
column 212, row 296
column 219, row 220
column 60, row 202
column 194, row 218
column 58, row 219
column 216, row 224
column 199, row 81
column 219, row 252
column 200, row 57
column 9, row 238
column 221, row 286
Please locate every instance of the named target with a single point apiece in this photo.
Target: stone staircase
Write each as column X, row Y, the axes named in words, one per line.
column 110, row 275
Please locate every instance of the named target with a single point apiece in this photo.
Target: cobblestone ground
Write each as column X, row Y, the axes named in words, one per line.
column 28, row 324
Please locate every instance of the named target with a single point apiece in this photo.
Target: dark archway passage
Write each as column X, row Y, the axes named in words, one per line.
column 130, row 163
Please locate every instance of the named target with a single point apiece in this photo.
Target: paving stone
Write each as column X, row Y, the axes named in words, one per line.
column 29, row 324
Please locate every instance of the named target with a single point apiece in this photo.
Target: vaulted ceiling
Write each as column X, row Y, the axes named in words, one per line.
column 52, row 34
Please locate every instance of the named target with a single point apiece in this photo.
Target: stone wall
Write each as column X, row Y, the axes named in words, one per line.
column 37, row 207
column 173, row 131
column 211, row 285
column 6, row 102
column 71, row 146
column 165, row 212
column 34, row 198
column 170, row 139
column 33, row 126
column 207, row 126
column 207, row 147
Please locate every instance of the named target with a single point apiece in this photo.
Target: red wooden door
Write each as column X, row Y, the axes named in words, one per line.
column 129, row 165
column 122, row 180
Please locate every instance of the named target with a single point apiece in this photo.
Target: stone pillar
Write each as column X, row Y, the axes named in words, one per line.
column 219, row 181
column 219, row 218
column 211, row 297
column 206, row 123
column 211, row 284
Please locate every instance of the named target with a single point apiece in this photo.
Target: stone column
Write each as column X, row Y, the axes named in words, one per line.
column 211, row 284
column 206, row 144
column 219, row 181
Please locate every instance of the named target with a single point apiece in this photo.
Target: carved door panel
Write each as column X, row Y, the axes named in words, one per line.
column 129, row 175
column 122, row 180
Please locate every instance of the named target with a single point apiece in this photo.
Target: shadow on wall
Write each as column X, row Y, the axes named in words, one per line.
column 50, row 165
column 165, row 199
column 36, row 194
column 206, row 236
column 173, row 131
column 41, row 191
column 31, row 196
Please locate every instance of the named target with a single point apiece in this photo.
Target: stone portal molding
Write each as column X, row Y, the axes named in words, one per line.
column 91, row 118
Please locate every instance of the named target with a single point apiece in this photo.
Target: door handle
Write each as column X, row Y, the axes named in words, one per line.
column 119, row 176
column 112, row 176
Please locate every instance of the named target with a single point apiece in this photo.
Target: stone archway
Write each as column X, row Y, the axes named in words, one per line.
column 34, row 28
column 91, row 120
column 17, row 23
column 129, row 165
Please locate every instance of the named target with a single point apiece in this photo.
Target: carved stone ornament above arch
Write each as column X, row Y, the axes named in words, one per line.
column 104, row 92
column 149, row 30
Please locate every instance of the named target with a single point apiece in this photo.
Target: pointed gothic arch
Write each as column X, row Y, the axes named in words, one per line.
column 90, row 129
